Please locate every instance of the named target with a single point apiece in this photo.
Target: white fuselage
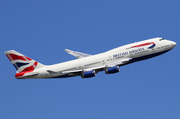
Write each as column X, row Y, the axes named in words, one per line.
column 134, row 52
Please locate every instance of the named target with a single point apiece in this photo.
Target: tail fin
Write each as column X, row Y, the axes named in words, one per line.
column 21, row 62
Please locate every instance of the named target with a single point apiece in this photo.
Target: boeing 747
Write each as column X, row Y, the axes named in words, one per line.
column 88, row 65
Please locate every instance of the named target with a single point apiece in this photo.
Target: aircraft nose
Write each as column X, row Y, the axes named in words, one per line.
column 173, row 43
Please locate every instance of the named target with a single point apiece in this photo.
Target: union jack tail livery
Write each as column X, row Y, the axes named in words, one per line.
column 22, row 63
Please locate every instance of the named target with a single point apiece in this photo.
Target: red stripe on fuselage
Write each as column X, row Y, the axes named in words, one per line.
column 144, row 44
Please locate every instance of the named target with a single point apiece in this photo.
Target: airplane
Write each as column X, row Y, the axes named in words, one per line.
column 87, row 65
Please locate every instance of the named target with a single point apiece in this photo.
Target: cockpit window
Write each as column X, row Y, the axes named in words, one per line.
column 161, row 39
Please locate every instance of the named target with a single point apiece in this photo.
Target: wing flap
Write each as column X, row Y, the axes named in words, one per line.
column 99, row 68
column 123, row 61
column 72, row 71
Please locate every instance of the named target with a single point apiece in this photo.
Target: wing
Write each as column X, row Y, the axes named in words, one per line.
column 77, row 54
column 97, row 69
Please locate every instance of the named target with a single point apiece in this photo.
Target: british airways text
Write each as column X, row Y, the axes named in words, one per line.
column 128, row 52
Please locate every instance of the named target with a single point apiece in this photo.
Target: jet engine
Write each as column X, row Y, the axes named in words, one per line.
column 88, row 74
column 112, row 70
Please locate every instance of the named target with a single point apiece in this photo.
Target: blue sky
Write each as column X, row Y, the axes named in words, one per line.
column 42, row 29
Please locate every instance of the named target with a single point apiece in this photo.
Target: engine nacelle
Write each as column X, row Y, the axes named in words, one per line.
column 88, row 74
column 112, row 70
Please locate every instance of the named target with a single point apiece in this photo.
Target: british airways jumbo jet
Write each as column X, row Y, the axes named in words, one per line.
column 87, row 65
